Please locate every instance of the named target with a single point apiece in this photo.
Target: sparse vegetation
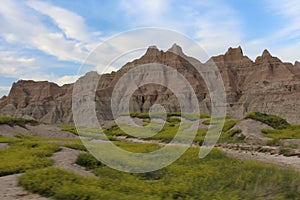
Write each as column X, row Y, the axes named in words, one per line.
column 271, row 120
column 275, row 142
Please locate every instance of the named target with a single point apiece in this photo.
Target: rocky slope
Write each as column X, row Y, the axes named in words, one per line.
column 266, row 85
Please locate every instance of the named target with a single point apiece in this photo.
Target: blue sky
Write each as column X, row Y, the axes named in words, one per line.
column 48, row 40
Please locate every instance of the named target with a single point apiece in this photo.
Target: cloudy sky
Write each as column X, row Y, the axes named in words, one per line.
column 49, row 40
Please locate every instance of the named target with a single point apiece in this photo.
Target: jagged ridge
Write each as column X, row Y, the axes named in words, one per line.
column 266, row 84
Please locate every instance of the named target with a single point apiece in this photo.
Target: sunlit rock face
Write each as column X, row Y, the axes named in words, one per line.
column 266, row 84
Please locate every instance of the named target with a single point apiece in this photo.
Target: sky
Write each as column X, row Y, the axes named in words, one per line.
column 50, row 39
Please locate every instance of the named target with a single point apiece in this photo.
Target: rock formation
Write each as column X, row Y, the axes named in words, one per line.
column 266, row 84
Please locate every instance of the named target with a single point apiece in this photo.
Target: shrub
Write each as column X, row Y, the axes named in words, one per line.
column 271, row 120
column 286, row 151
column 274, row 142
column 203, row 116
column 173, row 120
column 87, row 160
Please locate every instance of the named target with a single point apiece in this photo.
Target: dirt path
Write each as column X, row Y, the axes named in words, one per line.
column 284, row 161
column 65, row 159
column 9, row 189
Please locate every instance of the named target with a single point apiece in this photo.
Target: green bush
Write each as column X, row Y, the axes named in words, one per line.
column 206, row 122
column 87, row 160
column 12, row 121
column 154, row 175
column 271, row 120
column 274, row 142
column 173, row 120
column 203, row 116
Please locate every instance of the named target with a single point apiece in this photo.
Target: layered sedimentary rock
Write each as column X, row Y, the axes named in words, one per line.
column 266, row 84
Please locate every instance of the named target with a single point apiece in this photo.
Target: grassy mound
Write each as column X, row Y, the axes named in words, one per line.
column 271, row 120
column 12, row 121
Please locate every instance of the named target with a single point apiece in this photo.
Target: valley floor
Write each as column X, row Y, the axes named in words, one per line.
column 59, row 148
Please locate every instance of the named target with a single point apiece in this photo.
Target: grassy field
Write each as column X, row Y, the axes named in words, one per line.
column 215, row 177
column 24, row 155
column 291, row 132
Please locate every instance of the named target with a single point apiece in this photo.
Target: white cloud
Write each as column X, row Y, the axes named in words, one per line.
column 14, row 64
column 24, row 31
column 146, row 13
column 21, row 26
column 73, row 25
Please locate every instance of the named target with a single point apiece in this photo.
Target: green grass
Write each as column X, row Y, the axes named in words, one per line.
column 168, row 132
column 12, row 121
column 229, row 124
column 291, row 132
column 214, row 177
column 4, row 139
column 271, row 120
column 60, row 184
column 137, row 147
column 189, row 116
column 24, row 155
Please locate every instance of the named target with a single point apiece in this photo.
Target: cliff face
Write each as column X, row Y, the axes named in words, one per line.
column 266, row 85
